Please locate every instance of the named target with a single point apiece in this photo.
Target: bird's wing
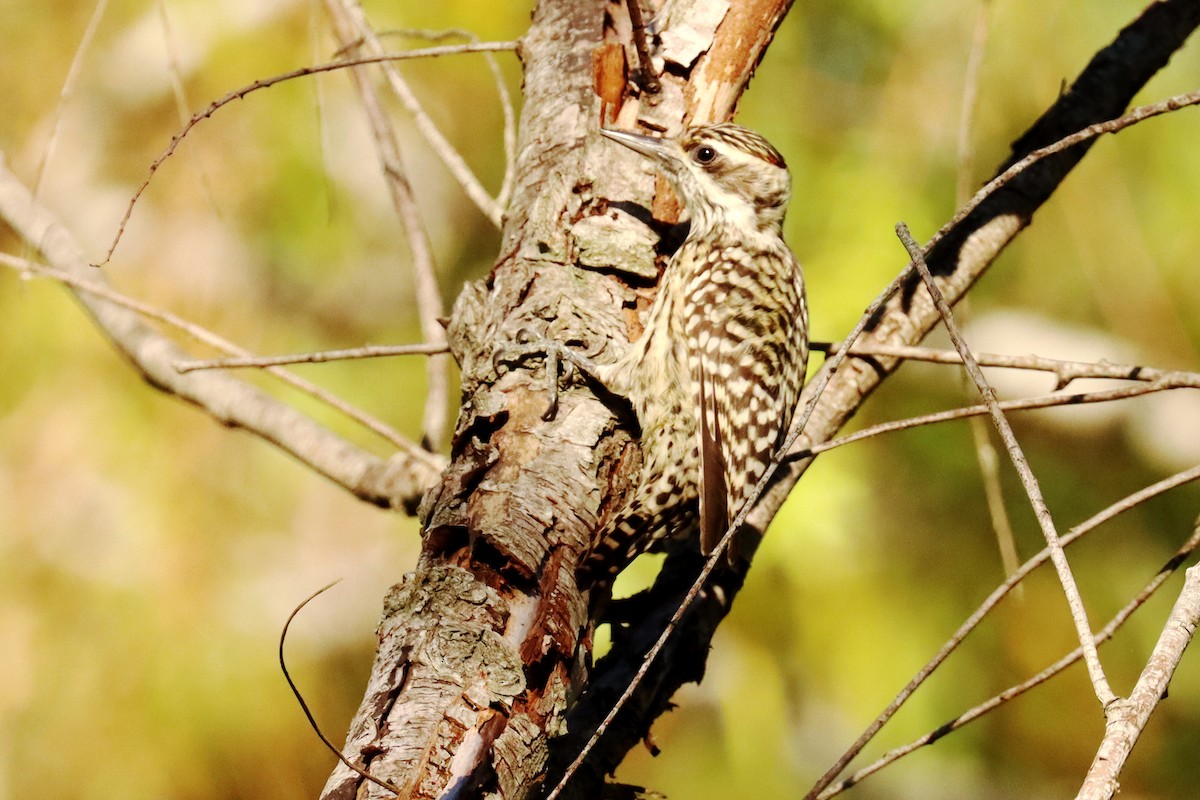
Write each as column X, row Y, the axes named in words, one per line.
column 741, row 407
column 747, row 370
column 714, row 491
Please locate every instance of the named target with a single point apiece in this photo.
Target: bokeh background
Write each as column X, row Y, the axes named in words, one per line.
column 148, row 557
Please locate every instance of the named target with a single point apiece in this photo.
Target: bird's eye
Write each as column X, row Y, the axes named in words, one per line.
column 705, row 155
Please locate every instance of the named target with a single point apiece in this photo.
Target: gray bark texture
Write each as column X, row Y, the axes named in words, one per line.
column 484, row 650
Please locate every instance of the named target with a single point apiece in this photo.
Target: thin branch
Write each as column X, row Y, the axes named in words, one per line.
column 972, row 622
column 1103, row 635
column 350, row 28
column 319, row 357
column 1139, row 114
column 648, row 79
column 317, row 48
column 264, row 83
column 207, row 337
column 1023, row 404
column 502, row 93
column 993, row 494
column 1068, row 370
column 440, row 145
column 398, row 481
column 312, row 721
column 64, row 94
column 182, row 105
column 148, row 310
column 1127, row 718
column 1078, row 613
column 970, row 97
column 510, row 132
column 985, row 451
column 1065, row 371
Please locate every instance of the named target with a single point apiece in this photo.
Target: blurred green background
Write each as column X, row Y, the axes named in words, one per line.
column 148, row 557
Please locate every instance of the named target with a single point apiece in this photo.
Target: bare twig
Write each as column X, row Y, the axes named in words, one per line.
column 985, row 452
column 351, row 28
column 510, row 133
column 320, row 357
column 399, row 481
column 440, row 145
column 205, row 336
column 1127, row 718
column 65, row 93
column 312, row 721
column 182, row 106
column 1078, row 613
column 648, row 78
column 1011, row 583
column 505, row 97
column 966, row 120
column 264, row 83
column 1075, row 370
column 1139, row 114
column 993, row 493
column 1023, row 404
column 1065, row 371
column 1103, row 635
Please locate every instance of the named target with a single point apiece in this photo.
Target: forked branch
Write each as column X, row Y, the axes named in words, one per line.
column 397, row 482
column 1083, row 628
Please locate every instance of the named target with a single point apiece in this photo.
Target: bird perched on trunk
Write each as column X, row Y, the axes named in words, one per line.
column 717, row 372
column 718, row 369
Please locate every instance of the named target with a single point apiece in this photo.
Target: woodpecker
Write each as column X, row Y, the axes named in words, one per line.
column 717, row 372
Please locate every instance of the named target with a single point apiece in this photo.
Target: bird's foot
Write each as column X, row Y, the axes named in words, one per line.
column 559, row 359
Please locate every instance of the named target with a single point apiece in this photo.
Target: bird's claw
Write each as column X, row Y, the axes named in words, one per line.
column 528, row 344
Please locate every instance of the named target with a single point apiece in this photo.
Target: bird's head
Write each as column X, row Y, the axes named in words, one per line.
column 724, row 173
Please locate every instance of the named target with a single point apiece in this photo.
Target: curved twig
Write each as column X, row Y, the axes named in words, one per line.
column 968, row 412
column 207, row 337
column 502, row 93
column 475, row 191
column 319, row 357
column 264, row 83
column 312, row 721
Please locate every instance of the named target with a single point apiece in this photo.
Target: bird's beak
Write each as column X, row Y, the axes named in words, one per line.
column 650, row 146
